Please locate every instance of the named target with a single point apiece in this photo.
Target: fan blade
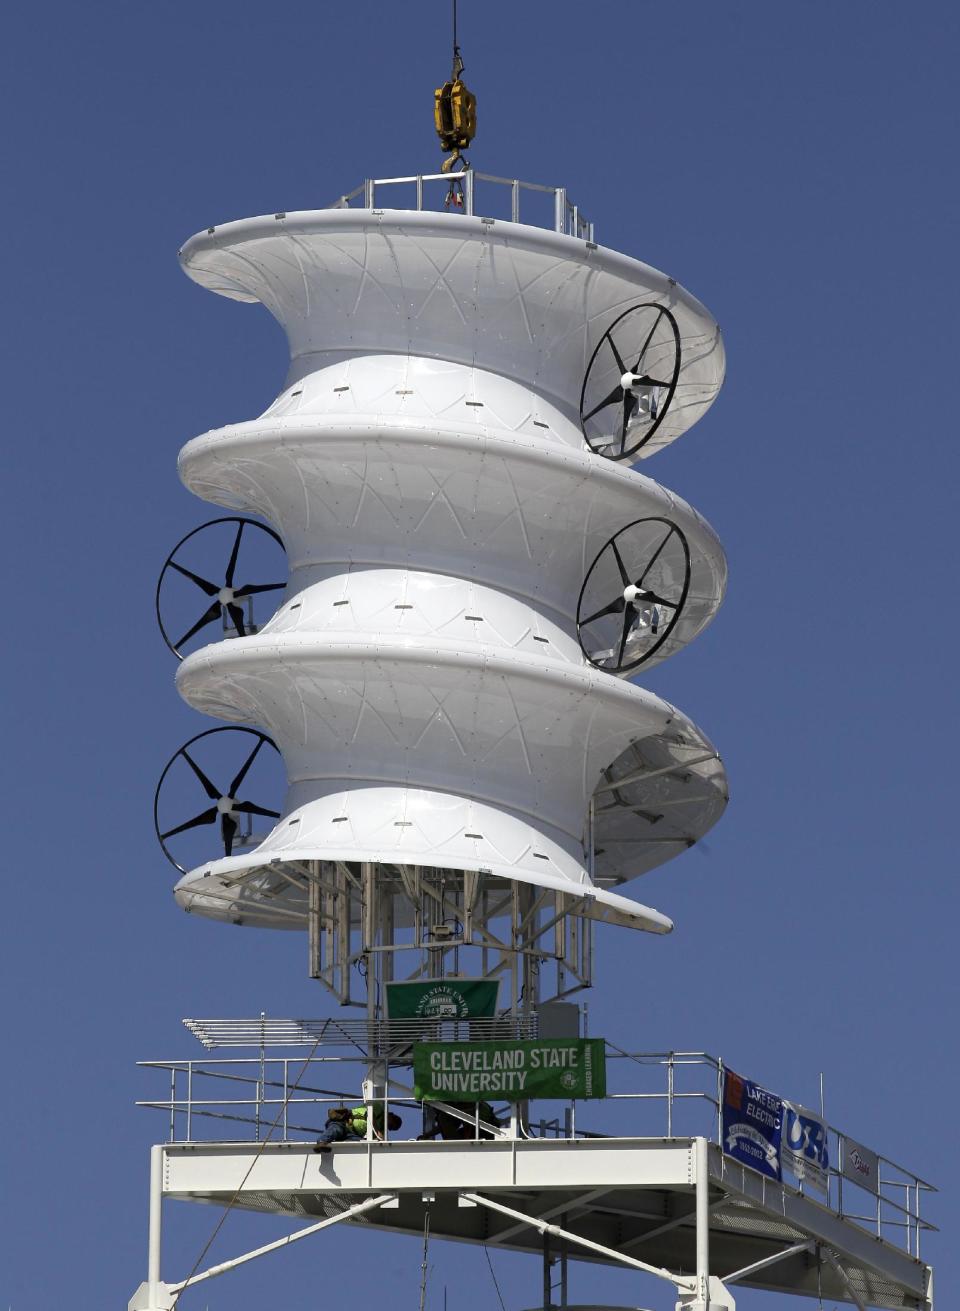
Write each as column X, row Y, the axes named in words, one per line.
column 623, row 638
column 613, row 608
column 254, row 589
column 236, row 614
column 208, row 787
column 616, row 355
column 228, row 830
column 207, row 817
column 655, row 558
column 643, row 349
column 654, row 599
column 630, row 407
column 211, row 589
column 615, row 395
column 248, row 808
column 624, row 576
column 232, row 562
column 647, row 381
column 242, row 773
column 206, row 618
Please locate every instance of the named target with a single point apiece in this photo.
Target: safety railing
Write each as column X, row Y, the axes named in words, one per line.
column 649, row 1095
column 473, row 193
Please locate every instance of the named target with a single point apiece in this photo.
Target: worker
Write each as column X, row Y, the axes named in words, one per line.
column 452, row 1128
column 349, row 1124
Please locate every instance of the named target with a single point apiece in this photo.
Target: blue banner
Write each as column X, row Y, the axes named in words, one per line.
column 752, row 1125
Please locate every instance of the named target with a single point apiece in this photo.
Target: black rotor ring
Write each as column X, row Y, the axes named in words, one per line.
column 212, row 589
column 626, row 399
column 228, row 824
column 619, row 605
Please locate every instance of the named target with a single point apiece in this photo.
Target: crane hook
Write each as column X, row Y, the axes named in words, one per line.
column 455, row 111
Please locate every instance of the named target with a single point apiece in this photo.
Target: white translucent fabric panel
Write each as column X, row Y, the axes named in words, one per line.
column 511, row 299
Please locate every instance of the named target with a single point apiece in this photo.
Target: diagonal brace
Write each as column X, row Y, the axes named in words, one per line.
column 578, row 1203
column 665, row 1228
column 854, row 1295
column 348, row 1214
column 767, row 1260
column 679, row 1281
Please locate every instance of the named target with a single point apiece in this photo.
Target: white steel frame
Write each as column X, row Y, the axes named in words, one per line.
column 356, row 914
column 373, row 1176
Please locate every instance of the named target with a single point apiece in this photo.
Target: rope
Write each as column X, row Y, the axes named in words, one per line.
column 486, row 1253
column 239, row 1189
column 423, row 1264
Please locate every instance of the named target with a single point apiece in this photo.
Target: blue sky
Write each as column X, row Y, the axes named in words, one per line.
column 790, row 165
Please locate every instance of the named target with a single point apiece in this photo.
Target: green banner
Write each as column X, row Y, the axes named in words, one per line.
column 443, row 999
column 468, row 1071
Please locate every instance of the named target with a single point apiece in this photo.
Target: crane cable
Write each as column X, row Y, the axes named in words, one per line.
column 455, row 118
column 457, row 59
column 240, row 1186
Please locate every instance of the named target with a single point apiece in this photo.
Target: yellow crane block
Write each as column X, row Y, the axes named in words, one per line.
column 455, row 116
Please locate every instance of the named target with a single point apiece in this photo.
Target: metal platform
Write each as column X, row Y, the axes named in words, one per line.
column 654, row 1192
column 634, row 1197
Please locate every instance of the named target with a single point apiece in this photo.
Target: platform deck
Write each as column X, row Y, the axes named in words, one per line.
column 634, row 1195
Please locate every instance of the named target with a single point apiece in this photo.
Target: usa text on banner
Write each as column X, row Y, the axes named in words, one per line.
column 861, row 1165
column 550, row 1067
column 804, row 1148
column 752, row 1124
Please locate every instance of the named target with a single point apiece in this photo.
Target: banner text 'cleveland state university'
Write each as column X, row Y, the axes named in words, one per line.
column 558, row 1067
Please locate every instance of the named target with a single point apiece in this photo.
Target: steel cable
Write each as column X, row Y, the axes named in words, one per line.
column 239, row 1189
column 486, row 1253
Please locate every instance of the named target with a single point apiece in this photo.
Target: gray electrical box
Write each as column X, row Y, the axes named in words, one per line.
column 559, row 1019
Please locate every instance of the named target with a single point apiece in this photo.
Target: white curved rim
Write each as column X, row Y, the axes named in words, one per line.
column 304, row 222
column 609, row 907
column 648, row 496
column 374, row 428
column 583, row 679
